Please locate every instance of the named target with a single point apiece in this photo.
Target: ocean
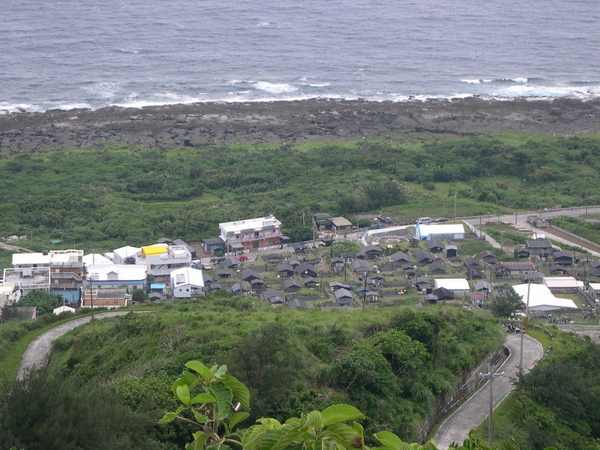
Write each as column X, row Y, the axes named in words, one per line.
column 65, row 54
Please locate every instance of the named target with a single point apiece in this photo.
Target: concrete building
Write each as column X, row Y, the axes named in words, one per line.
column 187, row 283
column 439, row 232
column 112, row 285
column 251, row 234
column 162, row 259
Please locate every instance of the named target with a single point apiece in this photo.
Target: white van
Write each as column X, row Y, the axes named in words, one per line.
column 424, row 220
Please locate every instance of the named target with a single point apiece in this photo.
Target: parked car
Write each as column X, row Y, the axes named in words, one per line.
column 217, row 259
column 424, row 220
column 441, row 219
column 241, row 258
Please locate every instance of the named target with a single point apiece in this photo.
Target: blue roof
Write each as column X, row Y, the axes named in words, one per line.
column 157, row 286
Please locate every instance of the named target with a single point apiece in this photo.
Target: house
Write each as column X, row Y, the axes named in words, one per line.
column 360, row 266
column 64, row 277
column 558, row 268
column 222, row 273
column 323, row 222
column 373, row 251
column 451, row 251
column 400, row 259
column 9, row 293
column 124, row 255
column 437, row 268
column 521, row 252
column 594, row 291
column 472, row 264
column 294, row 262
column 62, row 309
column 434, row 246
column 489, row 257
column 261, row 232
column 257, row 284
column 306, row 270
column 335, row 285
column 291, row 285
column 563, row 258
column 341, row 225
column 182, row 243
column 297, row 303
column 273, row 258
column 514, row 268
column 423, row 258
column 214, row 245
column 232, row 263
column 162, row 259
column 343, row 297
column 456, row 285
column 443, row 293
column 376, row 280
column 563, row 285
column 422, row 284
column 480, row 286
column 112, row 285
column 440, row 232
column 249, row 275
column 311, row 282
column 431, row 299
column 285, row 270
column 274, row 297
column 539, row 247
column 238, row 288
column 337, row 264
column 348, row 256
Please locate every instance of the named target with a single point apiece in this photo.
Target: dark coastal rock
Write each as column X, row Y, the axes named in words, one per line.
column 290, row 122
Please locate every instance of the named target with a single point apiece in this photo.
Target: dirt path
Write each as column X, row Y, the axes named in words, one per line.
column 475, row 410
column 37, row 353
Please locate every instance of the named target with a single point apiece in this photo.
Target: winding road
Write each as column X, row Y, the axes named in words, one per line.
column 38, row 351
column 476, row 409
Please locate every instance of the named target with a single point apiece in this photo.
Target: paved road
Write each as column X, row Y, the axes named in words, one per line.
column 475, row 410
column 521, row 219
column 37, row 353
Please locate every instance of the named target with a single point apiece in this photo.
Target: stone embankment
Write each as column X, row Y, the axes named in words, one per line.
column 289, row 122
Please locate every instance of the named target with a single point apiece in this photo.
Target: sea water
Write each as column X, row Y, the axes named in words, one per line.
column 85, row 53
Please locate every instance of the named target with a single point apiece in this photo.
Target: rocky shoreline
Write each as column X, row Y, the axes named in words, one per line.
column 290, row 122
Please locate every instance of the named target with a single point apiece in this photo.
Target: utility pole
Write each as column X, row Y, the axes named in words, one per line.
column 491, row 376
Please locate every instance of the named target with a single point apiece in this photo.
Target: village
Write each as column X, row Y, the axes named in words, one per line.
column 409, row 264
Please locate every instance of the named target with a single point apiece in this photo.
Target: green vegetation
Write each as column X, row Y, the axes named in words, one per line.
column 392, row 364
column 586, row 229
column 105, row 198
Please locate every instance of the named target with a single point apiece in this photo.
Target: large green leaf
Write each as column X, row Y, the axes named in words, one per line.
column 237, row 418
column 183, row 393
column 343, row 434
column 202, row 398
column 200, row 368
column 340, row 413
column 239, row 389
column 224, row 397
column 314, row 420
column 171, row 416
column 391, row 441
column 220, row 372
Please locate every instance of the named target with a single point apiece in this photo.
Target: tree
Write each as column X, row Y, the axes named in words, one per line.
column 505, row 305
column 216, row 411
column 44, row 301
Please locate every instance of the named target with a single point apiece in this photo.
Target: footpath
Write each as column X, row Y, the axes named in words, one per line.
column 38, row 351
column 476, row 409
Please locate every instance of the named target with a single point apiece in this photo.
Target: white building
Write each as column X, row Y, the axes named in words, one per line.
column 9, row 294
column 187, row 283
column 251, row 233
column 540, row 298
column 125, row 255
column 162, row 259
column 111, row 285
column 456, row 285
column 440, row 232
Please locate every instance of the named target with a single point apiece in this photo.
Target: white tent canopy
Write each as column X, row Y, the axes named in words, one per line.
column 541, row 298
column 453, row 284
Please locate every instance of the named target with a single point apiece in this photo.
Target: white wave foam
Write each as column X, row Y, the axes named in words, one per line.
column 104, row 89
column 476, row 81
column 160, row 99
column 274, row 88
